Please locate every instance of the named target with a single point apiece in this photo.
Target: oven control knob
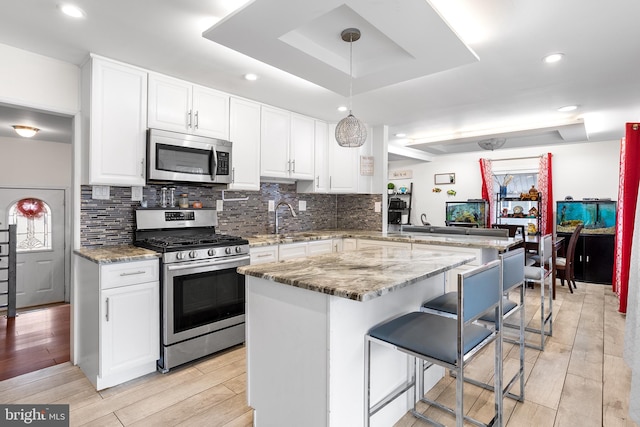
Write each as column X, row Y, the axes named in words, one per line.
column 227, row 250
column 193, row 254
column 180, row 255
column 211, row 252
column 238, row 249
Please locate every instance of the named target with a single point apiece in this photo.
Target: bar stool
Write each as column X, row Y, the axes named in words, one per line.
column 512, row 279
column 450, row 343
column 541, row 274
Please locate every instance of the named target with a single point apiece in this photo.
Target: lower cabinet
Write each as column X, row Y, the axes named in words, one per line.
column 594, row 257
column 264, row 254
column 118, row 320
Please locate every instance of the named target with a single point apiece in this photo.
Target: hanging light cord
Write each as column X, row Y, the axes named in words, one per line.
column 350, row 70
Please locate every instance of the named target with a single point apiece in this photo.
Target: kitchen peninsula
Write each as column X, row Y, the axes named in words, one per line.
column 306, row 320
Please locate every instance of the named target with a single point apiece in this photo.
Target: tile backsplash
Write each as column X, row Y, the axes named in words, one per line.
column 111, row 222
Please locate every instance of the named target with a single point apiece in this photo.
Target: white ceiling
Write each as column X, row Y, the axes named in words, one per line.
column 445, row 72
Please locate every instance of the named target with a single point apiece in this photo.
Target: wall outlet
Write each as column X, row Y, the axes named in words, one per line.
column 302, row 205
column 136, row 194
column 100, row 192
column 377, row 207
column 272, row 205
column 219, row 205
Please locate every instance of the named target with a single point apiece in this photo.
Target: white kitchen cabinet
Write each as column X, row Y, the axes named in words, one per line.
column 338, row 245
column 320, row 183
column 118, row 320
column 366, row 243
column 292, row 250
column 244, row 132
column 114, row 99
column 343, row 166
column 318, row 247
column 349, row 244
column 287, row 144
column 264, row 254
column 180, row 106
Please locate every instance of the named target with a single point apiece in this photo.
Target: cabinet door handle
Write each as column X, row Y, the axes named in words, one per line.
column 288, row 165
column 196, row 120
column 107, row 309
column 233, row 174
column 142, row 168
column 318, row 181
column 263, row 255
column 580, row 258
column 587, row 258
column 189, row 119
column 132, row 273
column 293, row 166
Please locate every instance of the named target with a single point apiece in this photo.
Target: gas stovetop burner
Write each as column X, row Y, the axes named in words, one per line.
column 181, row 242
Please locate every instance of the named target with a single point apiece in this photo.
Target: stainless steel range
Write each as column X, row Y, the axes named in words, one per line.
column 202, row 295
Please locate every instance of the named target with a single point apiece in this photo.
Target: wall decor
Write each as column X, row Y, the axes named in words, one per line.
column 366, row 165
column 444, row 178
column 401, row 174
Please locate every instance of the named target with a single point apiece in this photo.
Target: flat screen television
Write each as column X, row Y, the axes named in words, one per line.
column 597, row 216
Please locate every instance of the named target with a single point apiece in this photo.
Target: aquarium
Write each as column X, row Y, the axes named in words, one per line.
column 472, row 212
column 597, row 216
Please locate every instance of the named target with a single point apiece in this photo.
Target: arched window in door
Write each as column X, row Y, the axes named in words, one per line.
column 33, row 220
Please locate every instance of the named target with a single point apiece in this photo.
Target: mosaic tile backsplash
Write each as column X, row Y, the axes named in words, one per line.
column 111, row 222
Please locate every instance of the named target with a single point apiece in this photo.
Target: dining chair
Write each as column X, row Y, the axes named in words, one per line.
column 565, row 265
column 446, row 342
column 512, row 272
column 541, row 274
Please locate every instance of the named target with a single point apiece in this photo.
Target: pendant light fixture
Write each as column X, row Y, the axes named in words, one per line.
column 350, row 132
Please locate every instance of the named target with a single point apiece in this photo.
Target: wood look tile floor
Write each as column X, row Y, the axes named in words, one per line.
column 579, row 380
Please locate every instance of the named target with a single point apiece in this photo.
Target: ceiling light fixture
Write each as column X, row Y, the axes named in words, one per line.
column 25, row 131
column 492, row 143
column 251, row 77
column 342, row 108
column 350, row 132
column 72, row 11
column 567, row 108
column 554, row 57
column 401, row 135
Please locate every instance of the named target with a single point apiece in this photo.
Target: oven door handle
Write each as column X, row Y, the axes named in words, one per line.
column 234, row 262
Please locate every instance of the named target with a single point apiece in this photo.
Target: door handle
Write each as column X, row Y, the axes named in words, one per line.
column 196, row 120
column 107, row 309
column 189, row 119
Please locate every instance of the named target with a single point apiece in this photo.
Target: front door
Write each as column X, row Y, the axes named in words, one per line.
column 40, row 218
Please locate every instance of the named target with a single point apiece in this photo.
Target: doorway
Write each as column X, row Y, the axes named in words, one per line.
column 41, row 257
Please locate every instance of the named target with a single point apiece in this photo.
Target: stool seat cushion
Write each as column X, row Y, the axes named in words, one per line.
column 429, row 335
column 561, row 262
column 533, row 273
column 446, row 303
column 507, row 306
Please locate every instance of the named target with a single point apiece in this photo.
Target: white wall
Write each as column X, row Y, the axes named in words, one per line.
column 35, row 163
column 580, row 170
column 29, row 79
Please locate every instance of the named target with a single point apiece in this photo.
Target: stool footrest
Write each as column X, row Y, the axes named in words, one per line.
column 392, row 396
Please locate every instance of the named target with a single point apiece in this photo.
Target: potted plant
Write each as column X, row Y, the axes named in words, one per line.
column 391, row 187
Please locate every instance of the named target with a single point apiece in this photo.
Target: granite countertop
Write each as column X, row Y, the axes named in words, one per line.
column 116, row 253
column 463, row 241
column 359, row 275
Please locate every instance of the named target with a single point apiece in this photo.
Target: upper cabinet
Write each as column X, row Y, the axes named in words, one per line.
column 180, row 106
column 245, row 134
column 114, row 110
column 287, row 144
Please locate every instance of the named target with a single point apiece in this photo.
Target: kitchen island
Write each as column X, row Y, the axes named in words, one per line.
column 306, row 321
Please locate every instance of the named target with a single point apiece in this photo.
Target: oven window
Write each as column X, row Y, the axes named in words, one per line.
column 183, row 159
column 203, row 298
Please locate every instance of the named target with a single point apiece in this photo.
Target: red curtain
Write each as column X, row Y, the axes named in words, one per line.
column 486, row 173
column 627, row 198
column 545, row 186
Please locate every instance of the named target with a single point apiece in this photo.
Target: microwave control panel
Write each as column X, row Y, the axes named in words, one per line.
column 223, row 163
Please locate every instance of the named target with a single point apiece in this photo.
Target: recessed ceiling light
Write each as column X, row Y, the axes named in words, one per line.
column 342, row 108
column 25, row 131
column 567, row 108
column 401, row 135
column 72, row 11
column 554, row 57
column 251, row 77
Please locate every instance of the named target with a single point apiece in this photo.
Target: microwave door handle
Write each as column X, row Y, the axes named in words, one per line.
column 214, row 163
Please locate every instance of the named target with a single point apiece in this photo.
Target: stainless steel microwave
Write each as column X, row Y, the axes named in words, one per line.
column 177, row 157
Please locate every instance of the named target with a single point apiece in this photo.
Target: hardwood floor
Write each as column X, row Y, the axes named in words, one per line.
column 35, row 339
column 579, row 380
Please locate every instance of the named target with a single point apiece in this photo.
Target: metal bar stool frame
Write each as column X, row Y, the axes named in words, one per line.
column 542, row 274
column 483, row 286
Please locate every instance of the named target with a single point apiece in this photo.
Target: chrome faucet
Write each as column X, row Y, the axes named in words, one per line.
column 282, row 203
